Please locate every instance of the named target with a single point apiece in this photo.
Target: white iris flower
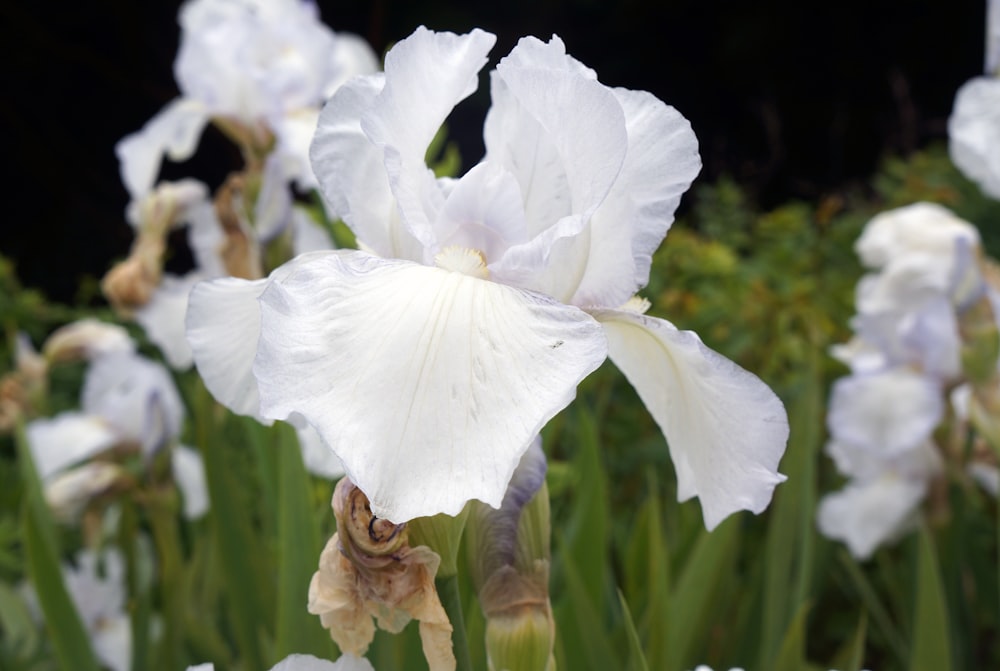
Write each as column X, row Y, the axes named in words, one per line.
column 430, row 361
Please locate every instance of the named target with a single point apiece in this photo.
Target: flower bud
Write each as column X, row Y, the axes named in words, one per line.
column 239, row 251
column 521, row 641
column 509, row 560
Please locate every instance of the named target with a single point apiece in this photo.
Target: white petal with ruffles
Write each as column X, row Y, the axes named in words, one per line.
column 926, row 228
column 174, row 132
column 351, row 172
column 426, row 75
column 661, row 163
column 725, row 428
column 562, row 134
column 428, row 384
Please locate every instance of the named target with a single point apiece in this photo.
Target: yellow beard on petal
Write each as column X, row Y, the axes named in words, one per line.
column 471, row 262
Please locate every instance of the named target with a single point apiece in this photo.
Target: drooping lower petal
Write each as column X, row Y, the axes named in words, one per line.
column 726, row 429
column 163, row 318
column 316, row 456
column 223, row 322
column 428, row 384
column 222, row 327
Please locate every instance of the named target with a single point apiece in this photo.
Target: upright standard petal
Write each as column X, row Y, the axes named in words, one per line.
column 428, row 384
column 562, row 134
column 726, row 429
column 426, row 75
column 351, row 172
column 661, row 163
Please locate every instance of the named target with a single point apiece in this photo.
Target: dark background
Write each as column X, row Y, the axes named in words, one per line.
column 793, row 99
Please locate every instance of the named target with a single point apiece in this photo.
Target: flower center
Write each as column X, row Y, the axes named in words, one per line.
column 471, row 262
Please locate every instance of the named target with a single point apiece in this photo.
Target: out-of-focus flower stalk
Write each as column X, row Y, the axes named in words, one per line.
column 977, row 325
column 24, row 390
column 239, row 251
column 130, row 284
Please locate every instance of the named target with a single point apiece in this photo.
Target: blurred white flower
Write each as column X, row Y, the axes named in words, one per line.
column 974, row 125
column 429, row 362
column 924, row 261
column 126, row 400
column 261, row 68
column 905, row 353
column 309, row 663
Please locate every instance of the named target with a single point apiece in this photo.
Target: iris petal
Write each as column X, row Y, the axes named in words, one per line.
column 428, row 384
column 725, row 428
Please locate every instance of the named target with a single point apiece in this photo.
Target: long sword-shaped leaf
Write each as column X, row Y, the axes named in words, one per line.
column 66, row 632
column 931, row 640
column 233, row 534
column 788, row 559
column 298, row 631
column 696, row 588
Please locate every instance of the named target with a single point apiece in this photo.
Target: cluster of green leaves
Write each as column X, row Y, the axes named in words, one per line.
column 637, row 582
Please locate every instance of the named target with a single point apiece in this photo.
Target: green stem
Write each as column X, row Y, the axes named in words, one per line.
column 447, row 589
column 167, row 540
